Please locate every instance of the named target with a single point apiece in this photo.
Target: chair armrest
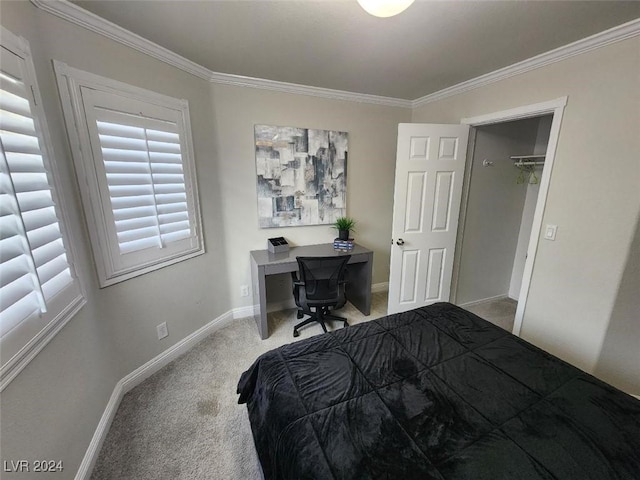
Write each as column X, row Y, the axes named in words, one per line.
column 295, row 280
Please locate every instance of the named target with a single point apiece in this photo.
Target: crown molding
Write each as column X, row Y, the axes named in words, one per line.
column 78, row 15
column 75, row 14
column 615, row 34
column 240, row 81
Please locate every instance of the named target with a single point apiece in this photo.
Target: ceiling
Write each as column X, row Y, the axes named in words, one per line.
column 336, row 45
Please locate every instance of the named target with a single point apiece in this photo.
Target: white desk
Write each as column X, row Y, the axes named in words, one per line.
column 263, row 263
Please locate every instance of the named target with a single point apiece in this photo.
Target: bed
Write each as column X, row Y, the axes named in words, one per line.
column 434, row 393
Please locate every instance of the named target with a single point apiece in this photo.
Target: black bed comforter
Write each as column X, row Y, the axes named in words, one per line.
column 434, row 393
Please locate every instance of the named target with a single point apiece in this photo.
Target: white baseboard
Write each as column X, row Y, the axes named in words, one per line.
column 243, row 312
column 142, row 373
column 483, row 300
column 281, row 305
column 251, row 310
column 290, row 303
column 91, row 455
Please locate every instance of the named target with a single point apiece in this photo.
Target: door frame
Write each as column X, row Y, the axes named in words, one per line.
column 554, row 107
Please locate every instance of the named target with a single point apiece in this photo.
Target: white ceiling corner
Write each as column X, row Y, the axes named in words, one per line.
column 78, row 15
column 615, row 34
column 75, row 14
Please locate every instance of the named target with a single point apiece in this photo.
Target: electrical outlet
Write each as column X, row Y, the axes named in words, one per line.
column 162, row 330
column 244, row 290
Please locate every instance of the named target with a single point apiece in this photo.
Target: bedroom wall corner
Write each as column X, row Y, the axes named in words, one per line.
column 593, row 195
column 619, row 359
column 370, row 171
column 51, row 410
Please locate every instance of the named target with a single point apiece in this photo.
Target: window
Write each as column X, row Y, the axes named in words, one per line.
column 38, row 288
column 134, row 160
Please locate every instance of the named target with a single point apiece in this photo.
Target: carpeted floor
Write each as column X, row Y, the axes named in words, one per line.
column 500, row 312
column 184, row 422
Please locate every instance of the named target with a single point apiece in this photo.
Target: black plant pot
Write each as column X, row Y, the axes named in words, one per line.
column 343, row 234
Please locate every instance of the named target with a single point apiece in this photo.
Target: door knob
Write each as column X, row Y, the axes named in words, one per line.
column 400, row 242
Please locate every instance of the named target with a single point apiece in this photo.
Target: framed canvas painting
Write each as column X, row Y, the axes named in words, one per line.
column 301, row 175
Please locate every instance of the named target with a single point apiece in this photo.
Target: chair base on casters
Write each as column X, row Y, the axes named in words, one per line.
column 320, row 315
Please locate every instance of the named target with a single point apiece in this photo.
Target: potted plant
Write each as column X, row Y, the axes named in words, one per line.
column 343, row 225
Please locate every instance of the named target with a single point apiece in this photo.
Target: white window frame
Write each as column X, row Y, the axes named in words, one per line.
column 79, row 91
column 23, row 342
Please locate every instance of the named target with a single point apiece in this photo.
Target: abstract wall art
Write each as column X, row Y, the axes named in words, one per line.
column 301, row 175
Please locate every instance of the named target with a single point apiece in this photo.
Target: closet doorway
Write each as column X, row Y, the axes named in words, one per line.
column 504, row 194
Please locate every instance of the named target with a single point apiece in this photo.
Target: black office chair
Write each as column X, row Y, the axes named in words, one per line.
column 321, row 286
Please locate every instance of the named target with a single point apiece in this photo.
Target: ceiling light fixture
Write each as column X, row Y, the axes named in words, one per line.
column 385, row 8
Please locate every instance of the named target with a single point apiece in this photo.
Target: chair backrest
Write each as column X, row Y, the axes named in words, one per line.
column 322, row 276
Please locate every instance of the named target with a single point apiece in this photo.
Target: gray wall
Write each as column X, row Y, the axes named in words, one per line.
column 593, row 195
column 619, row 360
column 494, row 210
column 370, row 172
column 51, row 410
column 528, row 210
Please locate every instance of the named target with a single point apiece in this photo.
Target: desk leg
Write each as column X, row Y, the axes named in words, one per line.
column 359, row 285
column 259, row 300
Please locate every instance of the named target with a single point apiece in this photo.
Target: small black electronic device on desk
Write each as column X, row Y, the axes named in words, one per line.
column 277, row 245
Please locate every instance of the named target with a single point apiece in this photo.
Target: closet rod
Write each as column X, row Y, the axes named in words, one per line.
column 523, row 157
column 524, row 164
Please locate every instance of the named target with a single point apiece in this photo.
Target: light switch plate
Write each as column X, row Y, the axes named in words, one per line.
column 550, row 232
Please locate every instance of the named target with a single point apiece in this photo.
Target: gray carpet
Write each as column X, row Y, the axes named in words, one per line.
column 184, row 422
column 500, row 312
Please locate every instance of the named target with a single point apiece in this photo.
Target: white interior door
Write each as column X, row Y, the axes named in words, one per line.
column 428, row 190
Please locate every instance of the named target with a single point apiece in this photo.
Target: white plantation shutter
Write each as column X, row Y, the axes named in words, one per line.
column 143, row 165
column 36, row 281
column 34, row 264
column 136, row 171
column 20, row 291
